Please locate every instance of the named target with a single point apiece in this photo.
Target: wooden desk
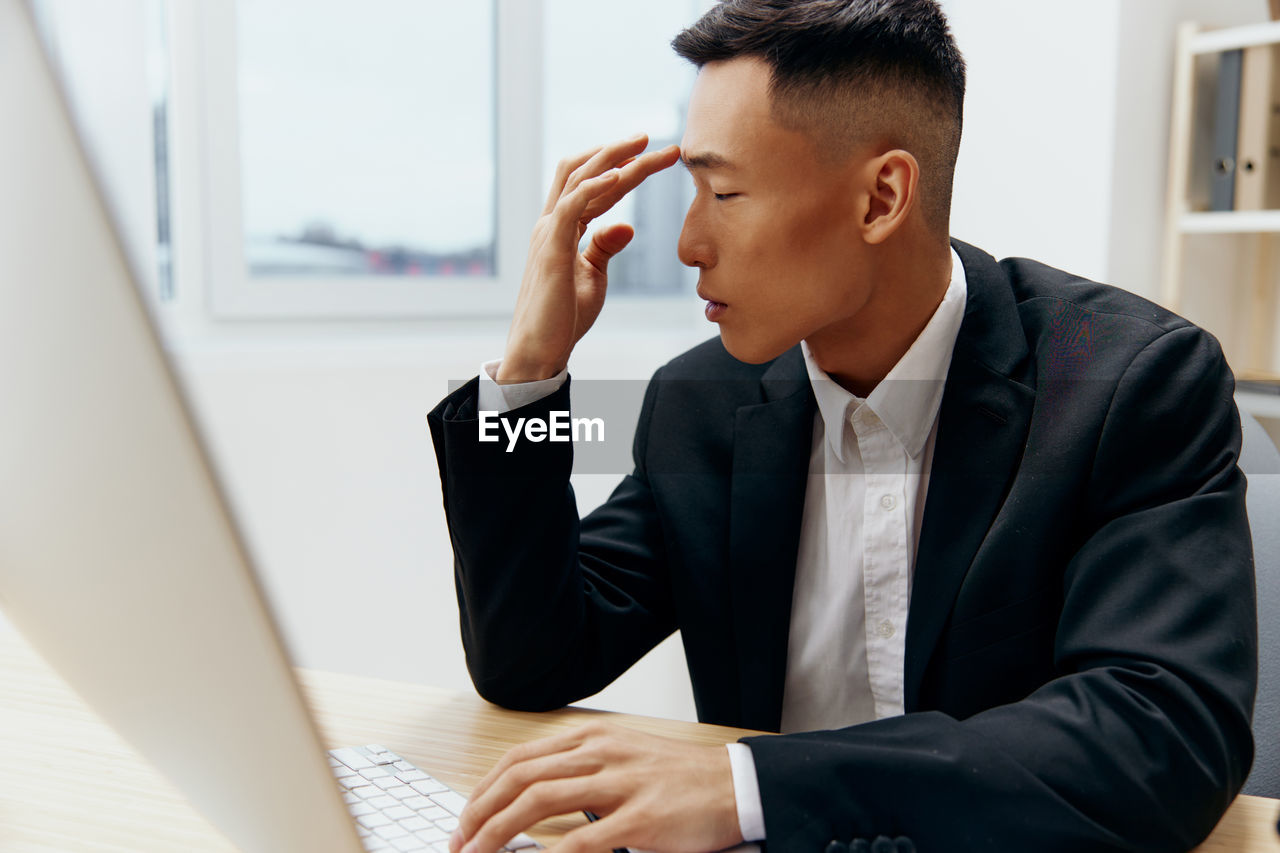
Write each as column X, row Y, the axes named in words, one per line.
column 68, row 783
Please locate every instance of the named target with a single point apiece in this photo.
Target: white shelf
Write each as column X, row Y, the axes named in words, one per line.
column 1233, row 38
column 1230, row 222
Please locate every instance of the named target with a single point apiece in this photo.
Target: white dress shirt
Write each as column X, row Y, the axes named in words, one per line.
column 864, row 502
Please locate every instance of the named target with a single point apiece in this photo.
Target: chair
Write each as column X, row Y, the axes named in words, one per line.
column 1260, row 461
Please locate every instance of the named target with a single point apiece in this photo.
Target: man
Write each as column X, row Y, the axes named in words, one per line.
column 971, row 533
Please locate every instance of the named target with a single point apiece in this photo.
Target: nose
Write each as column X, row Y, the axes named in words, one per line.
column 694, row 248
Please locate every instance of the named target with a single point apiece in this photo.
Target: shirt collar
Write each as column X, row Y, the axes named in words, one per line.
column 906, row 401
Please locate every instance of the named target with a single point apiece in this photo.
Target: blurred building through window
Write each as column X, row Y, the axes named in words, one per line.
column 611, row 73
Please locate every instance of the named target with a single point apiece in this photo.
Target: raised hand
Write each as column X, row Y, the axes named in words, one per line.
column 563, row 289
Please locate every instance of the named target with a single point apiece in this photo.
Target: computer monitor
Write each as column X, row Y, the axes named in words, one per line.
column 119, row 560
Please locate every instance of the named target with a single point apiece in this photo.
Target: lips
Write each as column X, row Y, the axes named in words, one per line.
column 715, row 309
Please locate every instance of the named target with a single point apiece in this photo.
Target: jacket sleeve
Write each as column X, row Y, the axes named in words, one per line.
column 552, row 608
column 1144, row 739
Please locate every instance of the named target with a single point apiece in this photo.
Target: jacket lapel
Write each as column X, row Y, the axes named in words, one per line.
column 982, row 429
column 771, row 447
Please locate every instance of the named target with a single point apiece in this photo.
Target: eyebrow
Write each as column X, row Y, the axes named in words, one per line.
column 706, row 160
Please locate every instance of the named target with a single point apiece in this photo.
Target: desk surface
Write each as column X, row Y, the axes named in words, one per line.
column 68, row 783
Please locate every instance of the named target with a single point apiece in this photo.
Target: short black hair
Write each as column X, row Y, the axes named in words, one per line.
column 852, row 65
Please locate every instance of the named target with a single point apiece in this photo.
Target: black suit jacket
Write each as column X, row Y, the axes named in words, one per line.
column 1081, row 643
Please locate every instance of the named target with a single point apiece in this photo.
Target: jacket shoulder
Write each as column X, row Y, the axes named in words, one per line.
column 1077, row 327
column 1042, row 291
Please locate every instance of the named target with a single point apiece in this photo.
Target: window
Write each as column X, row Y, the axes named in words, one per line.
column 637, row 84
column 389, row 158
column 367, row 137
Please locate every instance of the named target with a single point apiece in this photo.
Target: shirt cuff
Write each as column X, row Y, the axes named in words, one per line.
column 492, row 397
column 746, row 790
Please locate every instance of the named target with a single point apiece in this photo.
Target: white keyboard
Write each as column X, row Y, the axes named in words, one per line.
column 397, row 806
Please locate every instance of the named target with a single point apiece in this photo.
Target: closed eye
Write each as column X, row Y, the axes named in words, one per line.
column 724, row 196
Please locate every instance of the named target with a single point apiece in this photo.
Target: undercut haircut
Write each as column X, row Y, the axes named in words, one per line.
column 852, row 72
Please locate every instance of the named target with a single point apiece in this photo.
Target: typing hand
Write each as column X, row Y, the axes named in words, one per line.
column 563, row 289
column 651, row 792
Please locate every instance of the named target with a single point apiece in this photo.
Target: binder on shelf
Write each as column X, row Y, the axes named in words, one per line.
column 1226, row 131
column 1258, row 145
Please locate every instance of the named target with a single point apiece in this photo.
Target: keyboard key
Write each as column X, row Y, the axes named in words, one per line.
column 391, row 831
column 449, row 800
column 373, row 821
column 413, row 823
column 427, row 787
column 397, row 812
column 351, row 781
column 373, row 843
column 422, row 804
column 408, row 776
column 375, row 773
column 361, row 809
column 351, row 758
column 364, row 792
column 401, row 764
column 402, row 792
column 408, row 843
column 449, row 824
column 383, row 802
column 433, row 835
column 387, row 782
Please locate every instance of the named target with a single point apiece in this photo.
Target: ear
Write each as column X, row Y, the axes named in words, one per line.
column 892, row 181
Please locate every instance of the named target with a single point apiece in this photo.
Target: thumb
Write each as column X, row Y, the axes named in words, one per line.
column 607, row 242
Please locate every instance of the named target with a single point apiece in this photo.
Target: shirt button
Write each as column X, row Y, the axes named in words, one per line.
column 885, row 629
column 888, row 501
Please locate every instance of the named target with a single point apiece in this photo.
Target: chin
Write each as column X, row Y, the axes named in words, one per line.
column 751, row 351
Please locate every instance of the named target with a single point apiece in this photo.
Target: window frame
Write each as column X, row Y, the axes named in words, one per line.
column 233, row 294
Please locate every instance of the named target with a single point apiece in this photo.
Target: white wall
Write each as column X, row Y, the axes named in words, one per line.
column 321, row 433
column 326, row 453
column 1033, row 178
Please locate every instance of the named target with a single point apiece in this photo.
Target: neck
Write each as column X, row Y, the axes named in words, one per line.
column 909, row 280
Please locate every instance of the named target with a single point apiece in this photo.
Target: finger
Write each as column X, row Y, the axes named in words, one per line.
column 536, row 803
column 569, row 214
column 564, row 169
column 632, row 175
column 517, row 778
column 562, row 742
column 606, row 243
column 608, row 157
column 608, row 833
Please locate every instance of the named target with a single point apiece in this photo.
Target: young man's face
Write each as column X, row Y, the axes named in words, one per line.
column 772, row 228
